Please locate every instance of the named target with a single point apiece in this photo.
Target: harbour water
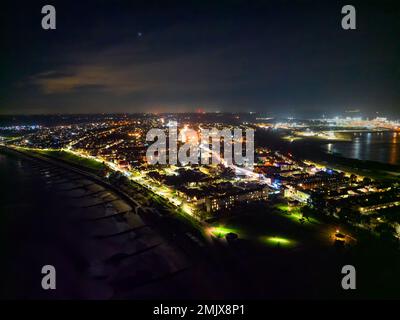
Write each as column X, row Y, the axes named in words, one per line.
column 371, row 146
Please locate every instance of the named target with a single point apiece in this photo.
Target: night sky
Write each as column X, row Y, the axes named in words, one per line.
column 287, row 58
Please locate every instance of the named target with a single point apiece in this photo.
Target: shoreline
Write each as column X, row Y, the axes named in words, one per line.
column 310, row 149
column 366, row 168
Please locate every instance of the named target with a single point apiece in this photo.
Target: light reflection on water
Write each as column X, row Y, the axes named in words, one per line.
column 375, row 146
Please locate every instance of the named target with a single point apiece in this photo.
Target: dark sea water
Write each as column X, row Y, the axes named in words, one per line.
column 33, row 232
column 43, row 222
column 372, row 146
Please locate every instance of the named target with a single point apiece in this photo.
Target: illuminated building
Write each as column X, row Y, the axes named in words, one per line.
column 296, row 194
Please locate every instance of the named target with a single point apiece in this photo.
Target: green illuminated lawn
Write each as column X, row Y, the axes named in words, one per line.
column 221, row 231
column 286, row 207
column 279, row 242
column 294, row 214
column 297, row 216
